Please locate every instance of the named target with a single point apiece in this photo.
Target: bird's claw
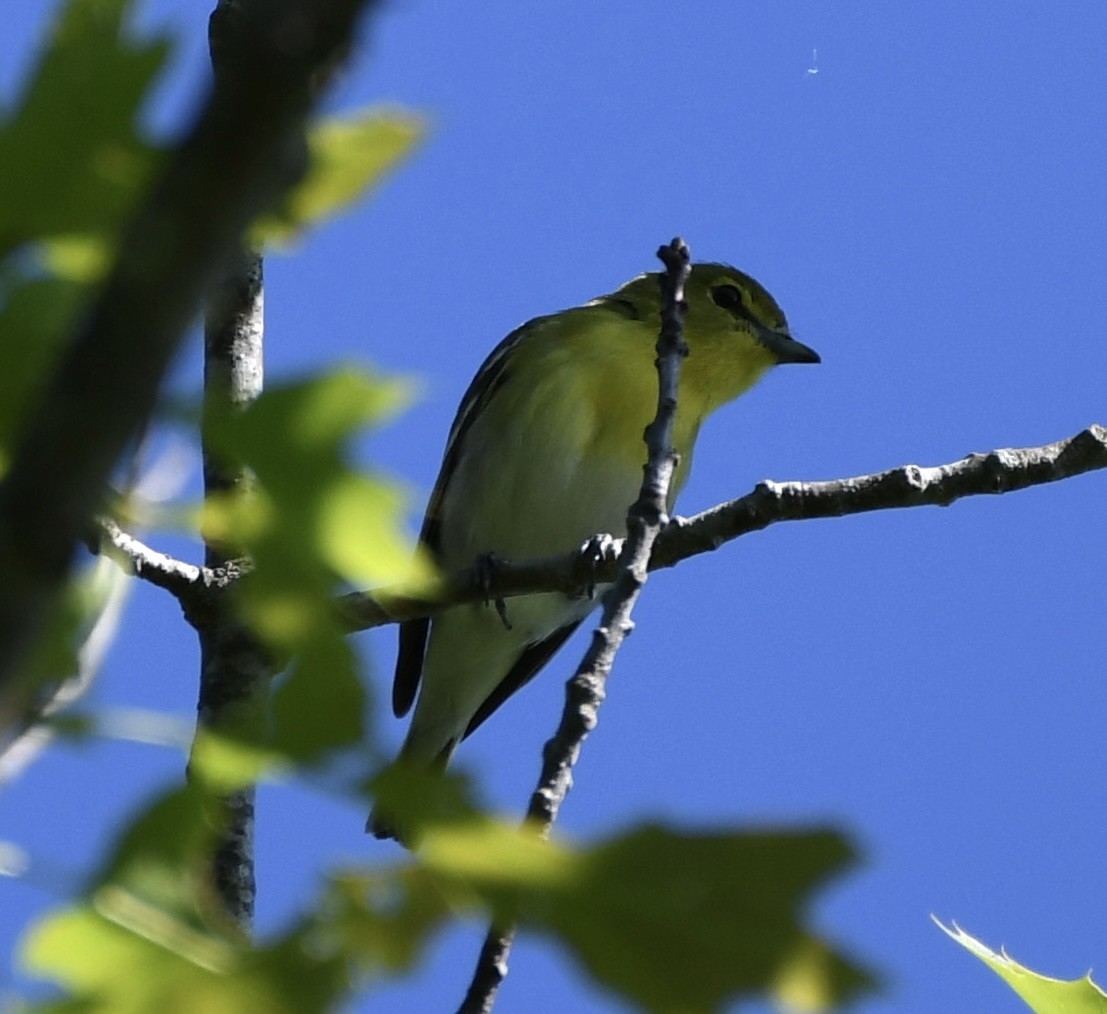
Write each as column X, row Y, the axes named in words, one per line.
column 486, row 571
column 597, row 550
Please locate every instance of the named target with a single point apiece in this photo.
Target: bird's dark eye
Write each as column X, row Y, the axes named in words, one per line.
column 727, row 296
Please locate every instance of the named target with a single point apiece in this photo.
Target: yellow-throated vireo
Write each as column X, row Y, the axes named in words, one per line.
column 545, row 451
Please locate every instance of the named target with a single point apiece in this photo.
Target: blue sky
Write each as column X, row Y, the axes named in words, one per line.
column 928, row 208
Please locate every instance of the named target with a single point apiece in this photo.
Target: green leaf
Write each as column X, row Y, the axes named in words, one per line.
column 1041, row 993
column 72, row 155
column 671, row 921
column 227, row 763
column 348, row 156
column 311, row 523
column 160, row 861
column 134, row 960
column 411, row 798
column 307, row 724
column 314, row 520
column 135, row 945
column 366, row 925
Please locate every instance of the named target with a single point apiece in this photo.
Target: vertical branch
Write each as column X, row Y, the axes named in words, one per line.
column 585, row 692
column 234, row 670
column 234, row 667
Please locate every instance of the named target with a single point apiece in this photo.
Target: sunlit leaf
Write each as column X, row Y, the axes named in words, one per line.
column 348, row 155
column 360, row 530
column 125, row 969
column 72, row 154
column 1041, row 993
column 314, row 519
column 227, row 763
column 130, row 946
column 79, row 258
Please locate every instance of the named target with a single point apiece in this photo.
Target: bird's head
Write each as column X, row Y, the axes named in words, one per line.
column 735, row 330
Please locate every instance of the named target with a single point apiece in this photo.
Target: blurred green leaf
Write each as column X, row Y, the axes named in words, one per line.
column 129, row 969
column 319, row 705
column 227, row 764
column 348, row 156
column 409, row 798
column 136, row 945
column 1041, row 993
column 73, row 158
column 80, row 258
column 311, row 523
column 161, row 859
column 671, row 921
column 313, row 520
column 384, row 918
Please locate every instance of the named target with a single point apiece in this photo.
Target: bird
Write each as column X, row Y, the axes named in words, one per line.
column 546, row 451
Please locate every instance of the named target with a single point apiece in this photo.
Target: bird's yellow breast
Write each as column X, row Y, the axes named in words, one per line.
column 557, row 454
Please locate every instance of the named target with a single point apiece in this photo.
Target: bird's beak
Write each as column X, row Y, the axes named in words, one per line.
column 786, row 348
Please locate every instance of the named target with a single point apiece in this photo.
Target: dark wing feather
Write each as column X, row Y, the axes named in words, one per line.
column 522, row 672
column 409, row 664
column 414, row 633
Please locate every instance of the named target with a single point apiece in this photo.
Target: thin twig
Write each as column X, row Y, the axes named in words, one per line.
column 585, row 691
column 177, row 577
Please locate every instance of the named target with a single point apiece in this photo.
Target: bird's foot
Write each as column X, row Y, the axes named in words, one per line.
column 597, row 550
column 486, row 570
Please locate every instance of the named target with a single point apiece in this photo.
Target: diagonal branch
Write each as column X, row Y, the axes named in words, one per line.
column 1001, row 471
column 161, row 570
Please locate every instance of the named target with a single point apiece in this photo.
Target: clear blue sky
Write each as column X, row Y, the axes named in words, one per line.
column 929, row 208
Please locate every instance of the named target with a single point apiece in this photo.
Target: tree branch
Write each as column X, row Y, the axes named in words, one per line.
column 140, row 560
column 584, row 693
column 1000, row 471
column 244, row 151
column 234, row 667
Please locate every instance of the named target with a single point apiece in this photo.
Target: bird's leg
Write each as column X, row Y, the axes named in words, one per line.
column 598, row 549
column 486, row 570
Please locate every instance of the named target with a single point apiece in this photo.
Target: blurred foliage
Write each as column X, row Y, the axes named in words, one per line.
column 348, row 155
column 1041, row 993
column 668, row 920
column 73, row 156
column 310, row 523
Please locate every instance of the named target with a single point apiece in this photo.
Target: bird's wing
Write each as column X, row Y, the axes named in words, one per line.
column 532, row 659
column 413, row 633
